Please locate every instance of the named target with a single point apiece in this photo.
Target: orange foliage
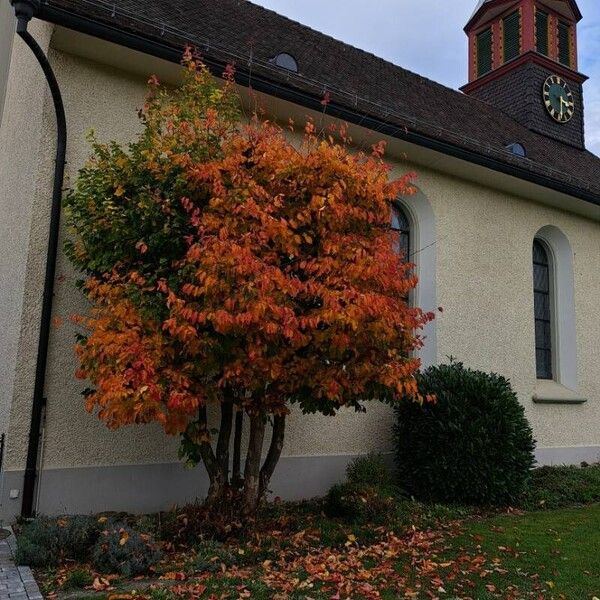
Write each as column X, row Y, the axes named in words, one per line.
column 289, row 288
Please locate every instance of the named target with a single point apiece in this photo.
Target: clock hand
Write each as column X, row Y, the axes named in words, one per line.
column 565, row 102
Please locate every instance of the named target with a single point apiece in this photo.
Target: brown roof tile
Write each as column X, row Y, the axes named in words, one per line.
column 237, row 30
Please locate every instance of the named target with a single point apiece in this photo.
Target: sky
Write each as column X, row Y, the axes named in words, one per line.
column 426, row 36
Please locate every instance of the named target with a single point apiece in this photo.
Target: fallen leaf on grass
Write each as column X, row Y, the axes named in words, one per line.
column 174, row 576
column 101, row 584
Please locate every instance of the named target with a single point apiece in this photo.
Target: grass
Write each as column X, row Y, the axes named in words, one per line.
column 557, row 551
column 544, row 555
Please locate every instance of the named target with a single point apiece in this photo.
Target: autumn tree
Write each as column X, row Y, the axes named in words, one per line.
column 228, row 267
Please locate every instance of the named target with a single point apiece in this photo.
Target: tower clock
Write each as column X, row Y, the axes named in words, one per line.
column 523, row 60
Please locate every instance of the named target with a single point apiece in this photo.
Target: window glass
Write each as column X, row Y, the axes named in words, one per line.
column 543, row 311
column 401, row 224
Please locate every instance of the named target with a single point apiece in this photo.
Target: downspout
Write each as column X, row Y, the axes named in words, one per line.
column 24, row 11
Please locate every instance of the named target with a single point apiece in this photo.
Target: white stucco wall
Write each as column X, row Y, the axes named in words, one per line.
column 484, row 284
column 7, row 28
column 481, row 242
column 21, row 157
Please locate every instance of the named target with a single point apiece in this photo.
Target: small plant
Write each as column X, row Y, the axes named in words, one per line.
column 123, row 550
column 78, row 579
column 562, row 486
column 472, row 446
column 77, row 536
column 161, row 593
column 38, row 543
column 211, row 555
column 331, row 533
column 359, row 503
column 44, row 542
column 370, row 469
column 427, row 515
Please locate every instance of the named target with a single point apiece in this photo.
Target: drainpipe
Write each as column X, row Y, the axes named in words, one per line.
column 24, row 11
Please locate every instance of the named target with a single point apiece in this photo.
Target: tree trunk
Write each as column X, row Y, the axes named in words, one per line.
column 273, row 456
column 252, row 469
column 209, row 459
column 236, row 477
column 224, row 439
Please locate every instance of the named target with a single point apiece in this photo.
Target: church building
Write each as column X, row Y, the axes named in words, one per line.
column 504, row 230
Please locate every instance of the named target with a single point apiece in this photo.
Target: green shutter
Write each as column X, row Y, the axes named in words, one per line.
column 564, row 43
column 484, row 52
column 542, row 32
column 512, row 36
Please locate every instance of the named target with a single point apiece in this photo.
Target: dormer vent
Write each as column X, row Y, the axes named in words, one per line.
column 517, row 149
column 285, row 61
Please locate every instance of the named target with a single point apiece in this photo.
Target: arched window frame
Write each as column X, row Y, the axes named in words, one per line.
column 423, row 254
column 562, row 388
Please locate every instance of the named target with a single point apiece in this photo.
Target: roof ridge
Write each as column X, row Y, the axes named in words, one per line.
column 348, row 45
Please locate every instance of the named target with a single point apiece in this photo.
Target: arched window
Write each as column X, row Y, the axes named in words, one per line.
column 542, row 289
column 414, row 222
column 401, row 224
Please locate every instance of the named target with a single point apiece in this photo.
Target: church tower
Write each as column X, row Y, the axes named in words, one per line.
column 523, row 60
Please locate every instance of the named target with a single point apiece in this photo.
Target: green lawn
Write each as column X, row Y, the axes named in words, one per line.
column 541, row 555
column 557, row 552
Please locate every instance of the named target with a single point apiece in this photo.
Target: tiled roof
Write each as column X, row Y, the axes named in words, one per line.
column 237, row 30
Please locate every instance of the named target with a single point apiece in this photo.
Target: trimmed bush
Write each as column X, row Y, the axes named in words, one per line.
column 123, row 550
column 472, row 446
column 370, row 469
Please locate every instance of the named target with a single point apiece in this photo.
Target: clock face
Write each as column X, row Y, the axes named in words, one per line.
column 558, row 99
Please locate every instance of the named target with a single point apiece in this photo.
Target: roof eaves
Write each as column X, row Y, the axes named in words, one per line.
column 286, row 91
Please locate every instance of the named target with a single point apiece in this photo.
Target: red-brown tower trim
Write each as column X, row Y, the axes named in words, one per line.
column 491, row 14
column 510, row 72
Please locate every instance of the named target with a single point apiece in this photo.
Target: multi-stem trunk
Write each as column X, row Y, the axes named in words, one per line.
column 257, row 479
column 254, row 484
column 217, row 464
column 237, row 481
column 273, row 455
column 250, row 497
